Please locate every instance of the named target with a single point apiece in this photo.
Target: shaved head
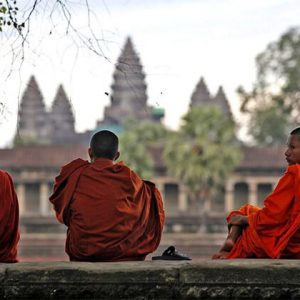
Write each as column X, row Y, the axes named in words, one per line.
column 296, row 131
column 104, row 144
column 292, row 153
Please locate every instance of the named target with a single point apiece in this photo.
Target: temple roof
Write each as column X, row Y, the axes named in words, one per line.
column 260, row 158
column 50, row 156
column 269, row 157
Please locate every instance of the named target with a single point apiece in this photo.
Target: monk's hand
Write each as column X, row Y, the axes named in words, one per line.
column 238, row 220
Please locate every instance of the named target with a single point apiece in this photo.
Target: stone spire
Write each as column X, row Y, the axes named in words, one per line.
column 129, row 95
column 33, row 125
column 222, row 101
column 201, row 95
column 61, row 118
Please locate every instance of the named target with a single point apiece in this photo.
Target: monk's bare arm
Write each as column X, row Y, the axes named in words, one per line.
column 238, row 220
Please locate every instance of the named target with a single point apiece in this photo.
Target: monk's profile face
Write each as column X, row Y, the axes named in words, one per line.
column 292, row 154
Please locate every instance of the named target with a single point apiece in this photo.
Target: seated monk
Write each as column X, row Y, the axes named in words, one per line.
column 274, row 230
column 9, row 220
column 111, row 214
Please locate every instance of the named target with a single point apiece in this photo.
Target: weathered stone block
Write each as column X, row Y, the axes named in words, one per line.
column 209, row 279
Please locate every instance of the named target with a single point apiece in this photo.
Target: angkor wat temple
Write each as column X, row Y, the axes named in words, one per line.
column 46, row 139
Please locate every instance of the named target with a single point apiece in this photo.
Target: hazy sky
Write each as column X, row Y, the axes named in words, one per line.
column 177, row 41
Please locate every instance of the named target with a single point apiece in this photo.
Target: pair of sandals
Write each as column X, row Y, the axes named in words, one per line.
column 171, row 254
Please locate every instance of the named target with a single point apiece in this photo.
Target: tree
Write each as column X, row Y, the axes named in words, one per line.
column 17, row 22
column 9, row 15
column 268, row 126
column 279, row 64
column 275, row 96
column 203, row 152
column 136, row 143
column 27, row 27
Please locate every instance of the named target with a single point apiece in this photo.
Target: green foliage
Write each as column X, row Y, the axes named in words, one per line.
column 279, row 63
column 273, row 124
column 275, row 97
column 203, row 152
column 136, row 143
column 9, row 15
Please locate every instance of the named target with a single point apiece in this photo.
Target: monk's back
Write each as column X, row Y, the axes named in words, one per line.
column 111, row 214
column 100, row 192
column 103, row 210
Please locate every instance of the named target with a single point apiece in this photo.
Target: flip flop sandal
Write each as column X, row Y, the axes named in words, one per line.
column 171, row 254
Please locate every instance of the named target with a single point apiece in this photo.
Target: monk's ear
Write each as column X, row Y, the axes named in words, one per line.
column 117, row 155
column 91, row 154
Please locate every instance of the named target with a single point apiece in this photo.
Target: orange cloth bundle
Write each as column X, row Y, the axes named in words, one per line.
column 9, row 220
column 111, row 214
column 274, row 230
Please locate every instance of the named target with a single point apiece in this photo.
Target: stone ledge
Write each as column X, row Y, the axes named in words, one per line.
column 205, row 279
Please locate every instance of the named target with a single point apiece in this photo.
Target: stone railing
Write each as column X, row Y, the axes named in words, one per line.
column 205, row 279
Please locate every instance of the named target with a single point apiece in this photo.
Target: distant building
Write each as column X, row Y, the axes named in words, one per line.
column 128, row 98
column 62, row 121
column 54, row 130
column 33, row 126
column 37, row 126
column 46, row 139
column 201, row 97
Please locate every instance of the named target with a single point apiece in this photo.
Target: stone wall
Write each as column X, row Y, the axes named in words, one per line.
column 203, row 279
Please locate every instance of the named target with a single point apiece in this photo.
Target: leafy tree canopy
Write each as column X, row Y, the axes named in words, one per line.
column 136, row 143
column 203, row 152
column 279, row 64
column 275, row 97
column 273, row 123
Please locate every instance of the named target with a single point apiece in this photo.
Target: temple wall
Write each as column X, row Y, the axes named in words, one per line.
column 35, row 186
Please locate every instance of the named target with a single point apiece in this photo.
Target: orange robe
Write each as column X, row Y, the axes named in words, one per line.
column 274, row 230
column 111, row 214
column 9, row 220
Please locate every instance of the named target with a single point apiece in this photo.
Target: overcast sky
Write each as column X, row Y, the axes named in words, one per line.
column 177, row 42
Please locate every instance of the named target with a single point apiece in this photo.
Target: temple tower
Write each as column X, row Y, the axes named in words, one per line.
column 61, row 119
column 222, row 101
column 33, row 125
column 129, row 91
column 201, row 95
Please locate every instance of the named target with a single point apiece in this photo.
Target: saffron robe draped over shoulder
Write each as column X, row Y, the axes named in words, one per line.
column 274, row 230
column 111, row 214
column 9, row 220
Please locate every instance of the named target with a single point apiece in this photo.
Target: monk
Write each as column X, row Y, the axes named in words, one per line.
column 111, row 214
column 9, row 220
column 274, row 230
